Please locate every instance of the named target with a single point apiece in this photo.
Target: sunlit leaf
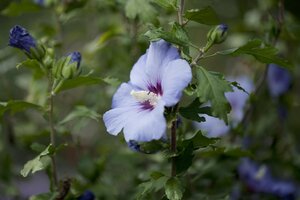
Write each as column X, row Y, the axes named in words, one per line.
column 174, row 189
column 38, row 163
column 142, row 9
column 203, row 16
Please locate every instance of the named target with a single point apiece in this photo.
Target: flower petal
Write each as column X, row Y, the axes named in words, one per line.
column 176, row 77
column 122, row 97
column 148, row 69
column 145, row 125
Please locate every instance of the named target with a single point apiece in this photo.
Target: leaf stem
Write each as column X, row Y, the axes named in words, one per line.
column 180, row 12
column 173, row 147
column 52, row 130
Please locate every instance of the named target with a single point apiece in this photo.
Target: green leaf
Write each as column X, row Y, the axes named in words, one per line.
column 185, row 158
column 174, row 189
column 18, row 106
column 152, row 146
column 211, row 87
column 200, row 141
column 203, row 16
column 142, row 9
column 79, row 81
column 156, row 183
column 166, row 4
column 262, row 52
column 193, row 110
column 112, row 81
column 177, row 36
column 19, row 8
column 38, row 163
column 46, row 196
column 81, row 112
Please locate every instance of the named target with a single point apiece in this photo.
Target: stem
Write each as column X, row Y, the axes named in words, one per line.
column 52, row 131
column 173, row 147
column 180, row 12
column 261, row 82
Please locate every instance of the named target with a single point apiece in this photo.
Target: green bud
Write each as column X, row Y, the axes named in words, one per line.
column 217, row 34
column 67, row 67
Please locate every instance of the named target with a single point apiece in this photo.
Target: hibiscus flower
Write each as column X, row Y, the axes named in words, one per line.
column 156, row 80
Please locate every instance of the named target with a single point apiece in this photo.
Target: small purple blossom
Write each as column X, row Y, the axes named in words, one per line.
column 133, row 145
column 279, row 80
column 156, row 80
column 75, row 57
column 21, row 39
column 87, row 195
column 258, row 178
column 215, row 127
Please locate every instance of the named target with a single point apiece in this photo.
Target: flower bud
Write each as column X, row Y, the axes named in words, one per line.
column 217, row 34
column 21, row 39
column 87, row 195
column 68, row 67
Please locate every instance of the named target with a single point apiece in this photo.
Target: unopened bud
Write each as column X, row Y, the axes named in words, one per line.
column 217, row 34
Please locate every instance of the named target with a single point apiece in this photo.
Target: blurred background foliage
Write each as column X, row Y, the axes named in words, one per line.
column 110, row 36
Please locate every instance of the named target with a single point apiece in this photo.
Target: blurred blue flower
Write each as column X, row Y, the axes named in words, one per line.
column 40, row 2
column 215, row 127
column 20, row 38
column 75, row 57
column 156, row 81
column 258, row 178
column 279, row 80
column 87, row 195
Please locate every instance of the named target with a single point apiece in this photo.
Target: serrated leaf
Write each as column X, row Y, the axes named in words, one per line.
column 206, row 15
column 46, row 196
column 154, row 184
column 142, row 9
column 155, row 34
column 174, row 189
column 260, row 51
column 19, row 8
column 81, row 112
column 38, row 163
column 193, row 110
column 211, row 87
column 33, row 65
column 185, row 158
column 18, row 106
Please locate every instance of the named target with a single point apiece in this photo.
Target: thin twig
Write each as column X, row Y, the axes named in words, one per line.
column 173, row 147
column 180, row 12
column 259, row 87
column 52, row 130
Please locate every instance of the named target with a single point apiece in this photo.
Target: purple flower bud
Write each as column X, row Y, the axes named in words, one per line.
column 20, row 38
column 87, row 195
column 279, row 80
column 75, row 57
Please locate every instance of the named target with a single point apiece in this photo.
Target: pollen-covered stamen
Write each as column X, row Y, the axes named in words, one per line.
column 145, row 96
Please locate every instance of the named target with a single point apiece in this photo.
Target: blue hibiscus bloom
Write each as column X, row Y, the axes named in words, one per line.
column 156, row 81
column 258, row 178
column 215, row 127
column 21, row 39
column 87, row 195
column 279, row 80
